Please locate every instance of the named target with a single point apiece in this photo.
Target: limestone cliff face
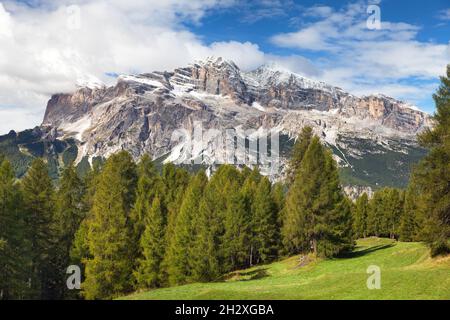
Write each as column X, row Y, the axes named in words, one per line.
column 141, row 113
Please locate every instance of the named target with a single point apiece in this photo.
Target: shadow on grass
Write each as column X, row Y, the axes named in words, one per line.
column 360, row 253
column 247, row 275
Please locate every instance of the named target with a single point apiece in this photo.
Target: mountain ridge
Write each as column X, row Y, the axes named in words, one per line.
column 140, row 113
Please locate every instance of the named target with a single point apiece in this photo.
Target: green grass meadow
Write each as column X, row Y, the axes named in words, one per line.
column 407, row 272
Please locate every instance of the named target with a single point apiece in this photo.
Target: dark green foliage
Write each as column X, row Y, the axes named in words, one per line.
column 237, row 235
column 432, row 175
column 378, row 167
column 149, row 186
column 70, row 211
column 13, row 245
column 179, row 252
column 69, row 155
column 385, row 210
column 110, row 232
column 410, row 221
column 298, row 152
column 317, row 215
column 153, row 246
column 39, row 210
column 360, row 212
column 265, row 231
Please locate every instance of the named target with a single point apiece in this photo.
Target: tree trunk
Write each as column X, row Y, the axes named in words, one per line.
column 314, row 244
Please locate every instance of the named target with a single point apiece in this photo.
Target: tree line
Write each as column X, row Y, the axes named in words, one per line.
column 132, row 227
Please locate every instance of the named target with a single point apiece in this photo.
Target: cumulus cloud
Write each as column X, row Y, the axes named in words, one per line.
column 366, row 61
column 48, row 47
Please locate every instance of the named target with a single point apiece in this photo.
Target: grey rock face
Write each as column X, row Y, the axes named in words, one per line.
column 141, row 113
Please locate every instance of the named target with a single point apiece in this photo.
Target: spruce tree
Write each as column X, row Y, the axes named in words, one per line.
column 153, row 246
column 39, row 209
column 110, row 232
column 360, row 213
column 433, row 173
column 317, row 215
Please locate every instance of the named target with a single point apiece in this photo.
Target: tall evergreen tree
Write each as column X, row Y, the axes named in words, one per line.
column 13, row 253
column 298, row 152
column 68, row 216
column 110, row 232
column 360, row 213
column 39, row 208
column 209, row 253
column 433, row 173
column 317, row 214
column 265, row 223
column 237, row 235
column 409, row 222
column 153, row 246
column 149, row 185
column 179, row 252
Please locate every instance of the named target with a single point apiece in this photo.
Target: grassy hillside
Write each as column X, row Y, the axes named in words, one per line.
column 407, row 272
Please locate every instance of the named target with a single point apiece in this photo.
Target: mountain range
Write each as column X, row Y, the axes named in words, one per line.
column 373, row 138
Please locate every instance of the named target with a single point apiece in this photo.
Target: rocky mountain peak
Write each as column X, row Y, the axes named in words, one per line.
column 142, row 112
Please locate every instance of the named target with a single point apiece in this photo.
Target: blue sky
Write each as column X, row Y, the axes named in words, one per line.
column 258, row 23
column 49, row 46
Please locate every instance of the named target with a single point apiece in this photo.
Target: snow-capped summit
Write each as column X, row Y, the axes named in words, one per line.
column 141, row 112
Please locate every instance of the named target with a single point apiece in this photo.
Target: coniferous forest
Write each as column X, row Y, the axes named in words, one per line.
column 132, row 226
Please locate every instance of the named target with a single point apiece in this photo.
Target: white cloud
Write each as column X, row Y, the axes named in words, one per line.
column 366, row 61
column 50, row 46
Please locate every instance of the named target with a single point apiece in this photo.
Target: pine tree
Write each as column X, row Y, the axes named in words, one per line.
column 360, row 216
column 110, row 233
column 152, row 243
column 178, row 256
column 432, row 175
column 264, row 222
column 298, row 152
column 13, row 253
column 39, row 208
column 317, row 215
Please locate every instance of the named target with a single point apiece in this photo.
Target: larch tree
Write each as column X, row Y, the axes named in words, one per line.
column 179, row 257
column 153, row 246
column 39, row 209
column 360, row 213
column 317, row 216
column 110, row 232
column 13, row 245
